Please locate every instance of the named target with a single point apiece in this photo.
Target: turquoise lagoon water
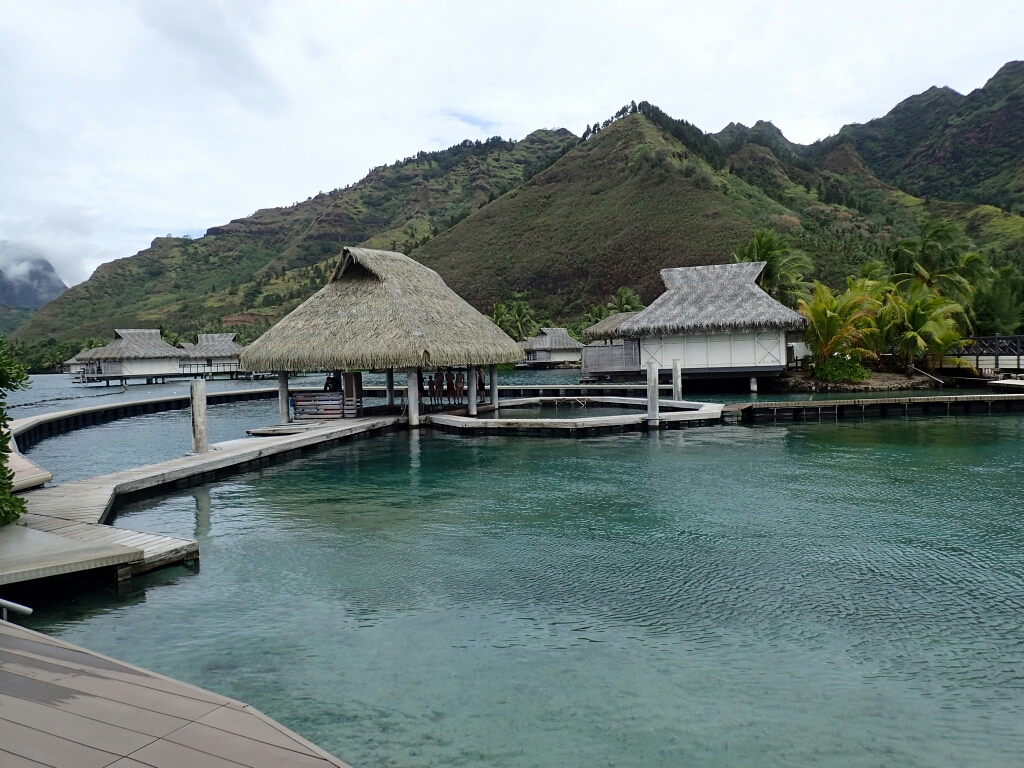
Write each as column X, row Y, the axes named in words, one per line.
column 805, row 595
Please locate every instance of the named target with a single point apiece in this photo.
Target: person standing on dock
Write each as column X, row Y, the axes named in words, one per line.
column 449, row 380
column 481, row 385
column 460, row 386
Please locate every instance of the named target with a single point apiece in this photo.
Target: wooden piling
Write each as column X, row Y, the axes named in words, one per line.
column 200, row 424
column 282, row 397
column 653, row 414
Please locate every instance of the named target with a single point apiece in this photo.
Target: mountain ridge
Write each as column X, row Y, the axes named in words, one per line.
column 563, row 220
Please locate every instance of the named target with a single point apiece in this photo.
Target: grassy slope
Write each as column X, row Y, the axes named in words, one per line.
column 12, row 317
column 183, row 284
column 612, row 212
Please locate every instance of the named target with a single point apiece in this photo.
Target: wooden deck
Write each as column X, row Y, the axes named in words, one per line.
column 65, row 707
column 73, row 515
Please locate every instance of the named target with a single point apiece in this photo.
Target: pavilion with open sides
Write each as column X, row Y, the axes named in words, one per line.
column 380, row 311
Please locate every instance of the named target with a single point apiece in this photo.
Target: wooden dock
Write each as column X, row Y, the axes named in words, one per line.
column 62, row 706
column 67, row 522
column 674, row 415
column 878, row 407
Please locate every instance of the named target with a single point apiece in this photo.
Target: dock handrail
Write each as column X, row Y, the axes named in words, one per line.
column 7, row 605
column 925, row 373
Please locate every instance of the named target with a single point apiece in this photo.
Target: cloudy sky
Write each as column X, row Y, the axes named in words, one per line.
column 121, row 121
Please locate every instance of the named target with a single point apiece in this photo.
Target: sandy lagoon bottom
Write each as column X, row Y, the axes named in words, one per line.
column 838, row 595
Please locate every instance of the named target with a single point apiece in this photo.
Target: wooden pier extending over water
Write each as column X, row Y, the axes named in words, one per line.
column 65, row 531
column 877, row 407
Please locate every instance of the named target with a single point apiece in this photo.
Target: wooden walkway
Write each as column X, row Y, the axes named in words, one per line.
column 67, row 520
column 62, row 706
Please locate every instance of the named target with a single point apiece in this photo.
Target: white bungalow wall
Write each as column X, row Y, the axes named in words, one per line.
column 716, row 351
column 160, row 366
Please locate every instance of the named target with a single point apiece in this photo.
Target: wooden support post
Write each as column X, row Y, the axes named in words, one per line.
column 413, row 391
column 677, row 381
column 282, row 397
column 753, row 384
column 200, row 425
column 494, row 386
column 471, row 375
column 653, row 413
column 389, row 379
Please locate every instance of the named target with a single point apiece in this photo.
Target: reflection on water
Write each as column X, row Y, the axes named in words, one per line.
column 842, row 594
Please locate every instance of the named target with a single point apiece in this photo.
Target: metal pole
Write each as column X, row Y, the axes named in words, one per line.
column 494, row 386
column 653, row 414
column 7, row 605
column 200, row 425
column 677, row 381
column 282, row 397
column 413, row 392
column 389, row 379
column 471, row 374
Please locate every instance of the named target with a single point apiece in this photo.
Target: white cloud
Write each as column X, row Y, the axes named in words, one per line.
column 124, row 121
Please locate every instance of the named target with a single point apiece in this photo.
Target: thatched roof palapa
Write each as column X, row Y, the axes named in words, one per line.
column 132, row 344
column 550, row 338
column 720, row 298
column 213, row 345
column 606, row 329
column 380, row 310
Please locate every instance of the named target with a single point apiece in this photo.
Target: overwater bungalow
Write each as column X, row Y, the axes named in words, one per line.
column 214, row 353
column 551, row 347
column 713, row 322
column 379, row 311
column 134, row 353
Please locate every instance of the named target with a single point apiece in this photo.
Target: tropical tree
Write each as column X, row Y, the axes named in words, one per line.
column 941, row 260
column 596, row 314
column 12, row 376
column 502, row 318
column 838, row 323
column 625, row 300
column 523, row 324
column 785, row 268
column 918, row 325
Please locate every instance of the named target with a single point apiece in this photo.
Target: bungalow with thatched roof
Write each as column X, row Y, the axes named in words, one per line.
column 712, row 321
column 382, row 310
column 550, row 347
column 214, row 353
column 133, row 354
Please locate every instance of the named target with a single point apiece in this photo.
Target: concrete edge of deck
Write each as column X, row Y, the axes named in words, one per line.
column 129, row 715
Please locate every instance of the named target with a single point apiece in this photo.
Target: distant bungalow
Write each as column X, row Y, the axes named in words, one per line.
column 141, row 353
column 214, row 353
column 716, row 321
column 551, row 347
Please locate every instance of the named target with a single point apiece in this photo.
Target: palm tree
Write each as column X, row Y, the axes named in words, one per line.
column 522, row 321
column 919, row 324
column 785, row 268
column 838, row 324
column 941, row 260
column 503, row 319
column 624, row 300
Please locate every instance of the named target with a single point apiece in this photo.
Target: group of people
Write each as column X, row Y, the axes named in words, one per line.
column 452, row 384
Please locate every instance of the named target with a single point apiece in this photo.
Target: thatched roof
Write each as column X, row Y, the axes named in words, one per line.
column 605, row 329
column 550, row 338
column 213, row 345
column 132, row 344
column 380, row 310
column 714, row 299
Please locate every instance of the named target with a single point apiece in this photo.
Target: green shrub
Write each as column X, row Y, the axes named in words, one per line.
column 842, row 367
column 12, row 376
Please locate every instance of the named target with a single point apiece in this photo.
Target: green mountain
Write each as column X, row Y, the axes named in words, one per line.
column 563, row 221
column 237, row 271
column 945, row 145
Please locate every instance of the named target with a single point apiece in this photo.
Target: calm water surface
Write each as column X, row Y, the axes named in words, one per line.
column 809, row 595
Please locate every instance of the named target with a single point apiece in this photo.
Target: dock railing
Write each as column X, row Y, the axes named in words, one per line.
column 1002, row 351
column 7, row 605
